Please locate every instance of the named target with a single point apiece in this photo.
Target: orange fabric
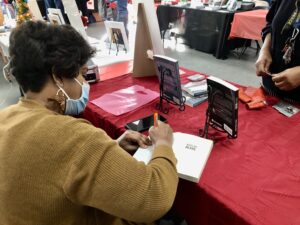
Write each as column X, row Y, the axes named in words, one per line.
column 255, row 105
column 253, row 97
column 243, row 97
column 248, row 24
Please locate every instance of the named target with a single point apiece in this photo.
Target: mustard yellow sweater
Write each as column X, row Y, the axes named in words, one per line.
column 56, row 169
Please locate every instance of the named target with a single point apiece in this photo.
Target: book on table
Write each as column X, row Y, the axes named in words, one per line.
column 194, row 92
column 191, row 152
column 194, row 101
column 196, row 77
column 223, row 105
column 195, row 88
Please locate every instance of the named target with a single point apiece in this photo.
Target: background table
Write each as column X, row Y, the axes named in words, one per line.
column 253, row 179
column 204, row 30
column 248, row 24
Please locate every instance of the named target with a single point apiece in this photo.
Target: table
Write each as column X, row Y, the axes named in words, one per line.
column 203, row 30
column 253, row 179
column 248, row 24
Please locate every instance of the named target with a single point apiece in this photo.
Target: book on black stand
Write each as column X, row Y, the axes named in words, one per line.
column 222, row 111
column 167, row 70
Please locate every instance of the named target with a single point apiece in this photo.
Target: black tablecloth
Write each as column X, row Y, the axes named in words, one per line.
column 203, row 30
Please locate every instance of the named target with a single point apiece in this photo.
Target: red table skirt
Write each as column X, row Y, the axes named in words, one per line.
column 254, row 179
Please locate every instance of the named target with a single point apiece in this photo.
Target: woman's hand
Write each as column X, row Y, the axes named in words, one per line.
column 132, row 140
column 265, row 58
column 263, row 63
column 288, row 79
column 162, row 134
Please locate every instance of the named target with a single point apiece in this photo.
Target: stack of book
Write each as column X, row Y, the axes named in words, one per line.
column 195, row 92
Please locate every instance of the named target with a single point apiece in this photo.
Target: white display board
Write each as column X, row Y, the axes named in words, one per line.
column 74, row 17
column 152, row 22
column 35, row 10
column 54, row 19
column 90, row 5
column 119, row 30
column 56, row 13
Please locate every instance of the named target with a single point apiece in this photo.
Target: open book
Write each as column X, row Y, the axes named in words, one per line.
column 191, row 152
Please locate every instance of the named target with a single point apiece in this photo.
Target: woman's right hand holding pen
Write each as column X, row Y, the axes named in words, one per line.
column 162, row 134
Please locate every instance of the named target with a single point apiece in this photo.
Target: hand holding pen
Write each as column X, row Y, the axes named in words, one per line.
column 161, row 133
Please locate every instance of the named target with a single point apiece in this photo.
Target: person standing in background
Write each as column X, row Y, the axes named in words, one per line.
column 279, row 59
column 122, row 13
column 82, row 6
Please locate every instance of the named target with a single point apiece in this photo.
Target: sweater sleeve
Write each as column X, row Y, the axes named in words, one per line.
column 269, row 18
column 104, row 176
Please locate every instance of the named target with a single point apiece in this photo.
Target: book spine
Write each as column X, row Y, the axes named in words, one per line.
column 236, row 112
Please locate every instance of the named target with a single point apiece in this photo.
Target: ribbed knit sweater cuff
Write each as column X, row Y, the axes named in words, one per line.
column 164, row 151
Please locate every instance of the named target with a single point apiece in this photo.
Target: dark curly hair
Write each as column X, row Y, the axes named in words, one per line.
column 38, row 50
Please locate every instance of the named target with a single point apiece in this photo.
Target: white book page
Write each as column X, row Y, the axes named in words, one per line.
column 191, row 152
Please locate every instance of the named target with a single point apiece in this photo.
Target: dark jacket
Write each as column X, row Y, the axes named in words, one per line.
column 278, row 15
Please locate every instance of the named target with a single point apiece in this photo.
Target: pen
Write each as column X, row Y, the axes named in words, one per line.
column 269, row 74
column 155, row 118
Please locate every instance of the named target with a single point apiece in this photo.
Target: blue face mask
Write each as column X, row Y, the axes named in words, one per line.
column 76, row 106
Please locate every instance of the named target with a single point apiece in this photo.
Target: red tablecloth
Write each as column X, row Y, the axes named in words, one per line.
column 248, row 24
column 114, row 70
column 254, row 179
